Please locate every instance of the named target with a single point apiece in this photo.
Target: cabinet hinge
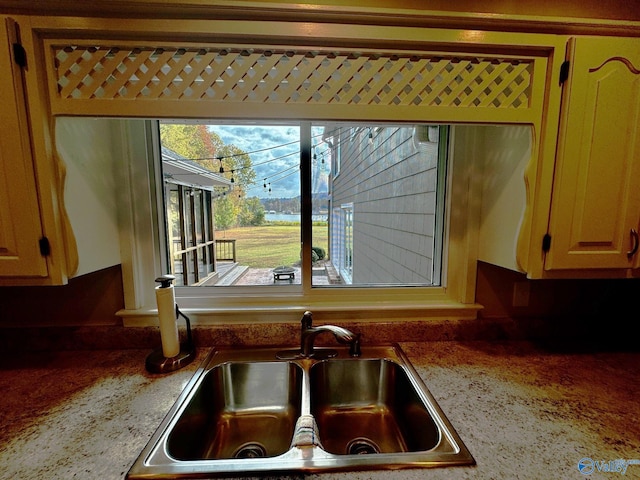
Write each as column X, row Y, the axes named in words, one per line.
column 19, row 55
column 564, row 71
column 546, row 243
column 45, row 248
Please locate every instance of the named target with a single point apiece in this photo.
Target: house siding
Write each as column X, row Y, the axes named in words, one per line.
column 391, row 184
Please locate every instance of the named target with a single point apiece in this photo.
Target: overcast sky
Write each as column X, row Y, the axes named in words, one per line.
column 276, row 158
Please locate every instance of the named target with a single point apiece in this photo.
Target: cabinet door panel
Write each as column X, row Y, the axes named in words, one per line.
column 596, row 198
column 20, row 227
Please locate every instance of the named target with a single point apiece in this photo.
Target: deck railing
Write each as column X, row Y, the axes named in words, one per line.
column 225, row 250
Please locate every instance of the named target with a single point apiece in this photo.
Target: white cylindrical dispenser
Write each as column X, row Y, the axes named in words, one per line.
column 172, row 355
column 166, row 299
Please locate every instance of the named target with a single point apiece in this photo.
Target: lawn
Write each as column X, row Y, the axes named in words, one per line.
column 269, row 246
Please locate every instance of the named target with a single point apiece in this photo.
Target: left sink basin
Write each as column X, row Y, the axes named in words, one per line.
column 239, row 410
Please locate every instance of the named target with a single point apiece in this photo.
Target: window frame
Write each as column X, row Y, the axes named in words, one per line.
column 346, row 226
column 454, row 300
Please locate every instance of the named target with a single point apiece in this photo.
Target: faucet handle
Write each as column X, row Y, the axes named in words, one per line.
column 306, row 320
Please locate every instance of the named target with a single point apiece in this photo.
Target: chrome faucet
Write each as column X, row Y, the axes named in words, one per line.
column 308, row 334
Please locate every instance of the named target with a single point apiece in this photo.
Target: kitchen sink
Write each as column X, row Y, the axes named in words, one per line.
column 259, row 411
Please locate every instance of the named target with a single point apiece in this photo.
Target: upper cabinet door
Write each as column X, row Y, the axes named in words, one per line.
column 20, row 225
column 595, row 213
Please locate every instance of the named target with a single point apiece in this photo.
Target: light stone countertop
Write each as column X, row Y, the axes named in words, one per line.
column 523, row 412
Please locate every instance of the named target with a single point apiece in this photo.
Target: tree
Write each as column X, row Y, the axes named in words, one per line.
column 194, row 142
column 224, row 213
column 237, row 165
column 252, row 212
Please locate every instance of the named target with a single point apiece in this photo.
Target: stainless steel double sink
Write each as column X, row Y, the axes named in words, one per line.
column 251, row 411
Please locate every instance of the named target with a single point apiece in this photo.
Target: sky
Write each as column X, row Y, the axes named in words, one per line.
column 275, row 158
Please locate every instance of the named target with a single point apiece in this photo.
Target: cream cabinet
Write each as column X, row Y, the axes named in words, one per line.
column 23, row 247
column 595, row 208
column 37, row 243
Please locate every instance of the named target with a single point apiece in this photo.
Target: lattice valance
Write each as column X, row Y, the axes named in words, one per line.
column 272, row 76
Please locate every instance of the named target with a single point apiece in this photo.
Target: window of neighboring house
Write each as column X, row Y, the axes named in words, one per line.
column 336, row 162
column 346, row 256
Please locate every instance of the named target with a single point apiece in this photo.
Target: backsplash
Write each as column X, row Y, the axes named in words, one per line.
column 81, row 315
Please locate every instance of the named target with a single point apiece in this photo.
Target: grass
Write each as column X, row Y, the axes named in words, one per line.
column 271, row 245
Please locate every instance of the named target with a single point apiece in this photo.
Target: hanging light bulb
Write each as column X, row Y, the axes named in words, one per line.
column 315, row 156
column 264, row 185
column 232, row 179
column 221, row 167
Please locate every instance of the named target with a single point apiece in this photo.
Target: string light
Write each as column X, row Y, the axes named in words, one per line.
column 341, row 139
column 267, row 186
column 222, row 157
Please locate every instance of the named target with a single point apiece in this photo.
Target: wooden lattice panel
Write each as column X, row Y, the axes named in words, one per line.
column 288, row 76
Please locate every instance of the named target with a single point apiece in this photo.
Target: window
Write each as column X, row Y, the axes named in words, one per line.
column 159, row 185
column 251, row 178
column 447, row 286
column 388, row 203
column 345, row 243
column 248, row 185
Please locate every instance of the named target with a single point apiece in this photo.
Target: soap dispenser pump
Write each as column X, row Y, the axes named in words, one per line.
column 172, row 356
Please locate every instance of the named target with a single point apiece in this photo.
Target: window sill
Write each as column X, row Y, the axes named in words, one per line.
column 206, row 312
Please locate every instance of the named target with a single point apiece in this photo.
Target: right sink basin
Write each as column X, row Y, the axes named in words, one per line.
column 369, row 406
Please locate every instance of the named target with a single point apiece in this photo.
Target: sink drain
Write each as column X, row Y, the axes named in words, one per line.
column 250, row 450
column 362, row 446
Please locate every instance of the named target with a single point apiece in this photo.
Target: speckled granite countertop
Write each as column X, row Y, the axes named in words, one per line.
column 523, row 412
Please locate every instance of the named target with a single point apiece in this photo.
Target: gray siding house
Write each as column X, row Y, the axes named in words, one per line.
column 385, row 207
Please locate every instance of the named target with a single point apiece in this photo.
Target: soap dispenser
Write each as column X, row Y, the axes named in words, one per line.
column 173, row 355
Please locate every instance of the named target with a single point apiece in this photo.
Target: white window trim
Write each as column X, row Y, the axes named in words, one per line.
column 347, row 207
column 142, row 262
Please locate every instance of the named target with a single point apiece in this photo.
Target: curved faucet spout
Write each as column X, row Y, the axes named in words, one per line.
column 309, row 333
